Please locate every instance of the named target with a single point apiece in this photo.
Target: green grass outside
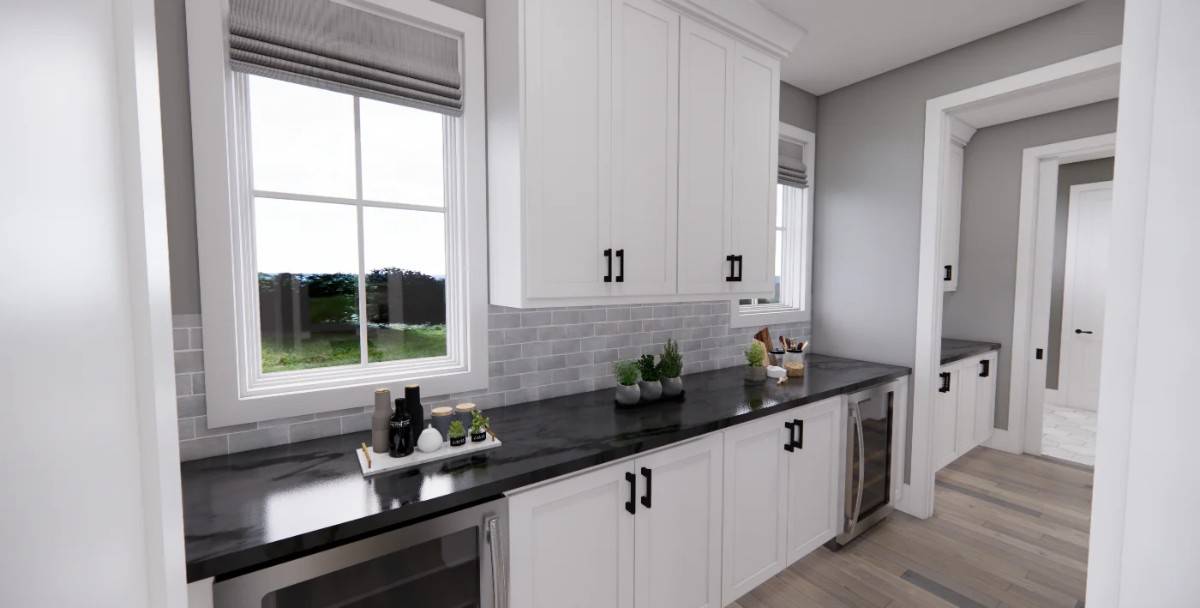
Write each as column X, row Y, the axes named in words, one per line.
column 384, row 344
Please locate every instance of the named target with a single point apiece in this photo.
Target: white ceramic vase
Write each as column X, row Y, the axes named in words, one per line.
column 430, row 440
column 672, row 387
column 628, row 394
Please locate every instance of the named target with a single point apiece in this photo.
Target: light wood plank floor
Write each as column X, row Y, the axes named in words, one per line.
column 1007, row 531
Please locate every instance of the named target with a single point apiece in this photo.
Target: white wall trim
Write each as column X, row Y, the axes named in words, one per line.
column 938, row 113
column 1031, row 299
column 134, row 33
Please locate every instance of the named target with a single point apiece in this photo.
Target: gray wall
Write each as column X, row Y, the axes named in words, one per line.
column 797, row 107
column 1087, row 172
column 982, row 307
column 871, row 137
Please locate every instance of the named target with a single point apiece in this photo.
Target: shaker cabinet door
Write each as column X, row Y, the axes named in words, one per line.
column 945, row 416
column 755, row 168
column 755, row 532
column 813, row 468
column 678, row 530
column 705, row 158
column 571, row 542
column 568, row 108
column 645, row 144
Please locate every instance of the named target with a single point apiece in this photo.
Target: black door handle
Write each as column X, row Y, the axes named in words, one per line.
column 1084, row 331
column 945, row 388
column 649, row 491
column 629, row 504
column 621, row 266
column 949, row 272
column 608, row 256
column 732, row 276
column 798, row 431
column 791, row 442
column 987, row 368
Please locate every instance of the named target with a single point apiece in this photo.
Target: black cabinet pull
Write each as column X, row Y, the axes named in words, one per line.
column 608, row 256
column 949, row 272
column 629, row 504
column 732, row 276
column 1084, row 331
column 738, row 259
column 621, row 266
column 987, row 368
column 1038, row 353
column 798, row 430
column 649, row 491
column 945, row 388
column 791, row 442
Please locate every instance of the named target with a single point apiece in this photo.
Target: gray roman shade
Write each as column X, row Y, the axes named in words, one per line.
column 328, row 45
column 791, row 165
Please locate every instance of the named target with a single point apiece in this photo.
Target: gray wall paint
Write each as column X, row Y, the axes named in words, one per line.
column 870, row 157
column 797, row 107
column 982, row 307
column 1087, row 172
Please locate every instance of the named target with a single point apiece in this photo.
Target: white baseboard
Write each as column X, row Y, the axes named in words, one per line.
column 1005, row 441
column 1052, row 396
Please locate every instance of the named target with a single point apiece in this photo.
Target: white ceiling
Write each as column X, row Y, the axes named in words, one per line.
column 852, row 40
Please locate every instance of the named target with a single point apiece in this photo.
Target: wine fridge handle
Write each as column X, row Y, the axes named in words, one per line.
column 862, row 465
column 499, row 567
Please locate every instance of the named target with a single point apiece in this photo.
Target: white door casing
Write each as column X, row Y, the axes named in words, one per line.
column 1084, row 284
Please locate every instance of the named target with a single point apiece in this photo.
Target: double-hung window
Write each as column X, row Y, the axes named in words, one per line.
column 340, row 202
column 791, row 300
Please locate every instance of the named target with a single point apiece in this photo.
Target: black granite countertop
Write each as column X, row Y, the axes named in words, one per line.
column 249, row 510
column 957, row 350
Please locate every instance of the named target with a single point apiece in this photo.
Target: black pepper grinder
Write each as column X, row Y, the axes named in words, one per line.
column 400, row 439
column 416, row 411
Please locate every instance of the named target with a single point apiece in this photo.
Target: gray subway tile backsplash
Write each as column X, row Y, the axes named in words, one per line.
column 533, row 354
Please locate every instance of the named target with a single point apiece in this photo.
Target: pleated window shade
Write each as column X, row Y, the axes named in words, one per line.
column 792, row 170
column 332, row 46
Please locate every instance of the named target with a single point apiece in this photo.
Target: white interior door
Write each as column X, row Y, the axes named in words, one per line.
column 1085, row 280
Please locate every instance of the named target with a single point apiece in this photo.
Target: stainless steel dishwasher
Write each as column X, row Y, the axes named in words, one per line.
column 452, row 561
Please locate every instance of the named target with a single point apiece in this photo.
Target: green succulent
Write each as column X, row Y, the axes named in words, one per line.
column 627, row 372
column 457, row 430
column 478, row 421
column 671, row 362
column 648, row 368
column 756, row 354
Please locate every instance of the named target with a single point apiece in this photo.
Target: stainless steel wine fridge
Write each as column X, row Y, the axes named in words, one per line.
column 869, row 475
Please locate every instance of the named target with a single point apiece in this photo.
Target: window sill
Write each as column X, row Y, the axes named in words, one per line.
column 765, row 314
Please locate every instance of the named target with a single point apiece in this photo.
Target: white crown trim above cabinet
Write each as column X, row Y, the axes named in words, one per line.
column 631, row 154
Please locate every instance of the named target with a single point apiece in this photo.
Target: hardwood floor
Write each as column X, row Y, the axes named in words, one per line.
column 1007, row 531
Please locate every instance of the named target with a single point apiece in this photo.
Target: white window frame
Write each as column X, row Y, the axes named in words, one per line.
column 237, row 392
column 796, row 306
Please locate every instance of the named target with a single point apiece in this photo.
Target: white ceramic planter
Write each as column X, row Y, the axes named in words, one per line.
column 651, row 390
column 628, row 395
column 755, row 375
column 672, row 387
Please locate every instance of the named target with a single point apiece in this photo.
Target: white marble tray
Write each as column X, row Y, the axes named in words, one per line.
column 382, row 463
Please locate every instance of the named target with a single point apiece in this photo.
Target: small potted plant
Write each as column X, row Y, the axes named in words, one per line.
column 628, row 392
column 479, row 426
column 756, row 360
column 458, row 434
column 650, row 385
column 670, row 365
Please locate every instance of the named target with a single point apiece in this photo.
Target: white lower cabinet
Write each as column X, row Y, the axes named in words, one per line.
column 695, row 525
column 964, row 407
column 645, row 532
column 781, row 480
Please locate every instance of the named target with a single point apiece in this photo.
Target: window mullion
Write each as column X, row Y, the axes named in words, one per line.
column 362, row 262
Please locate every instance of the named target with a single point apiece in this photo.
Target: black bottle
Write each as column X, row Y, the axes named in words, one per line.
column 416, row 411
column 400, row 437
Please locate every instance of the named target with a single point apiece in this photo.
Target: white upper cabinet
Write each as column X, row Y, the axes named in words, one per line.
column 631, row 151
column 952, row 198
column 645, row 131
column 755, row 164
